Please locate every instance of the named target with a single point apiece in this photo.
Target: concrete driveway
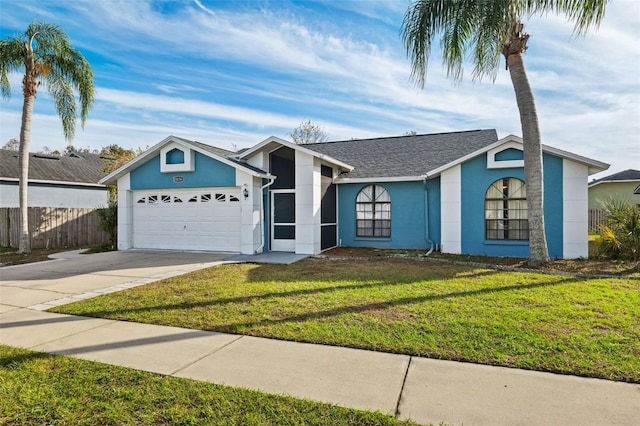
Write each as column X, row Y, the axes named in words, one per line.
column 74, row 276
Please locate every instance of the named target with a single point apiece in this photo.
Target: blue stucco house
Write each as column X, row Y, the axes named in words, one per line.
column 459, row 192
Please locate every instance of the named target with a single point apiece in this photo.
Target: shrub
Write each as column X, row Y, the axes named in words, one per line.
column 620, row 237
column 108, row 217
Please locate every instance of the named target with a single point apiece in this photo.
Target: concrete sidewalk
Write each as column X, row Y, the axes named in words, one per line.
column 426, row 390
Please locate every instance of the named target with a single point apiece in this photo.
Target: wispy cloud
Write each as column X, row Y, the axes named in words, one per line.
column 223, row 71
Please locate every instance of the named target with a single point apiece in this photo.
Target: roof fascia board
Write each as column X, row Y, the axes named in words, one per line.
column 116, row 174
column 598, row 166
column 595, row 166
column 435, row 172
column 221, row 159
column 248, row 153
column 340, row 180
column 614, row 181
column 53, row 182
column 122, row 170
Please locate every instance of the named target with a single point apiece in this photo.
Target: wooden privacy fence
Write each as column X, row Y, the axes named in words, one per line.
column 53, row 227
column 597, row 217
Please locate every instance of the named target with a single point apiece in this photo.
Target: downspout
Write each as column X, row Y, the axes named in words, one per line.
column 426, row 218
column 259, row 249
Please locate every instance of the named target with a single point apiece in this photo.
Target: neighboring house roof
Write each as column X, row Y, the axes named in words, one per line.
column 404, row 156
column 86, row 169
column 628, row 175
column 222, row 155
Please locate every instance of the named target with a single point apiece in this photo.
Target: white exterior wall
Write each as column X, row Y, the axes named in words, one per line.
column 125, row 213
column 575, row 210
column 451, row 210
column 250, row 223
column 54, row 196
column 308, row 189
column 259, row 160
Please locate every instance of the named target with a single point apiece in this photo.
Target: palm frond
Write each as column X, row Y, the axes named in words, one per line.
column 61, row 91
column 476, row 30
column 584, row 14
column 11, row 60
column 62, row 69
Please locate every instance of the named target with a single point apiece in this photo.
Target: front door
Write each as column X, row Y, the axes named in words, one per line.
column 283, row 220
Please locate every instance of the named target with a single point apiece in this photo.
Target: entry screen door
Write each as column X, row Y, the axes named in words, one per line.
column 283, row 220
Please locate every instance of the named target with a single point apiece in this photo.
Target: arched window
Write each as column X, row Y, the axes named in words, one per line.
column 373, row 212
column 505, row 210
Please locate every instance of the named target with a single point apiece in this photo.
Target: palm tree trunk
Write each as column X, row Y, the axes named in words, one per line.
column 538, row 251
column 24, row 244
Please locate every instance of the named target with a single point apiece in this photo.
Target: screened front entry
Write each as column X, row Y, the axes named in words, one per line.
column 283, row 225
column 283, row 200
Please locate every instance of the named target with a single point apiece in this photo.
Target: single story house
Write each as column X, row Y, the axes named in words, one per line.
column 623, row 186
column 460, row 192
column 58, row 181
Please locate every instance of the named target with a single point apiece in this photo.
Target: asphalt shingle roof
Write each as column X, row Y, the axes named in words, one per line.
column 210, row 148
column 224, row 153
column 87, row 168
column 628, row 174
column 399, row 156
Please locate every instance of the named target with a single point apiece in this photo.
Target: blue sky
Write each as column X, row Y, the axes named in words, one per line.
column 232, row 73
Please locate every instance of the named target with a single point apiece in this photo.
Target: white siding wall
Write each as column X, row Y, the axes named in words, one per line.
column 259, row 160
column 450, row 210
column 308, row 189
column 575, row 210
column 250, row 215
column 125, row 213
column 54, row 196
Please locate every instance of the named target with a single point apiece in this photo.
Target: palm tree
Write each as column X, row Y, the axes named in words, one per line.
column 486, row 29
column 48, row 58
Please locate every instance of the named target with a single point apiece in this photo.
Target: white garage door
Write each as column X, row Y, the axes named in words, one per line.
column 203, row 219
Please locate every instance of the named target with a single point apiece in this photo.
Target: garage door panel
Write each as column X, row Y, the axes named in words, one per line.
column 206, row 219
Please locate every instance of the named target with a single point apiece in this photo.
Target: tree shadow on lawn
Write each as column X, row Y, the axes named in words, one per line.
column 276, row 294
column 376, row 306
column 317, row 315
column 12, row 358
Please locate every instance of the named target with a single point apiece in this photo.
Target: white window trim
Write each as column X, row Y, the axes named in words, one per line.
column 492, row 163
column 187, row 166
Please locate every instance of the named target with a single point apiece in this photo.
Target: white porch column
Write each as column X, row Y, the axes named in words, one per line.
column 308, row 192
column 125, row 213
column 250, row 212
column 575, row 210
column 451, row 210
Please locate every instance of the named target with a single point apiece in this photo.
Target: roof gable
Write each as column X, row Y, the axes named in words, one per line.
column 216, row 153
column 404, row 157
column 75, row 168
column 273, row 142
column 512, row 141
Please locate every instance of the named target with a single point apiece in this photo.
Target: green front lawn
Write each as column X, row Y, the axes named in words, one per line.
column 37, row 388
column 587, row 327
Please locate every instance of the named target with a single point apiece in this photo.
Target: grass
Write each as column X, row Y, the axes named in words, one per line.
column 563, row 324
column 38, row 388
column 10, row 256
